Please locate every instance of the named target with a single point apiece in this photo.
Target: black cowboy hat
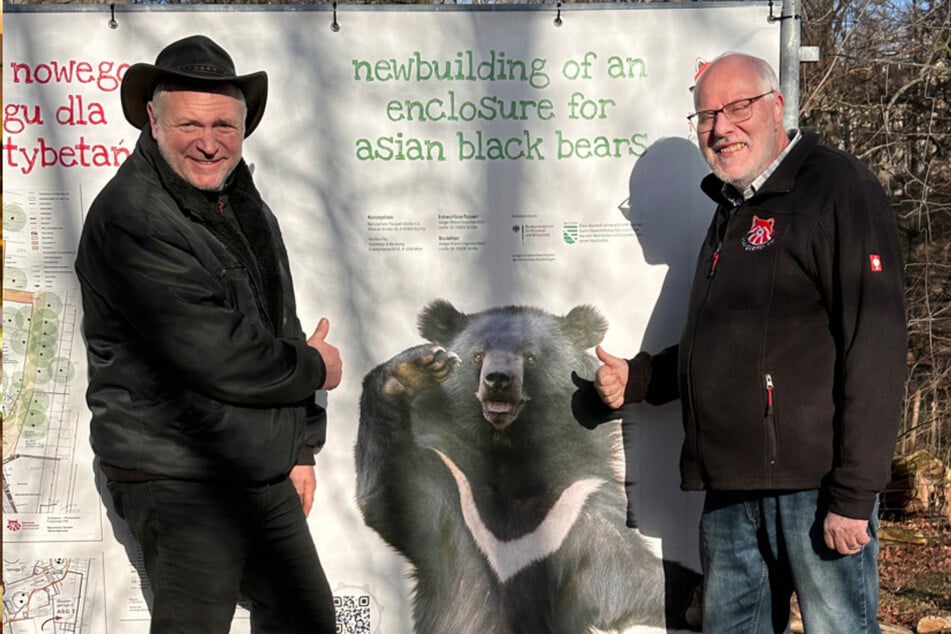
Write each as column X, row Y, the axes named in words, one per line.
column 192, row 61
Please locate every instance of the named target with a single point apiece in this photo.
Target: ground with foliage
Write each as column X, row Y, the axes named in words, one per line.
column 916, row 578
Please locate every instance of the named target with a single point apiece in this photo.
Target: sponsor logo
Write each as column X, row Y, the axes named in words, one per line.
column 569, row 232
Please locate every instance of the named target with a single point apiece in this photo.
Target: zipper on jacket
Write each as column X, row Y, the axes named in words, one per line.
column 222, row 206
column 715, row 260
column 770, row 417
column 722, row 231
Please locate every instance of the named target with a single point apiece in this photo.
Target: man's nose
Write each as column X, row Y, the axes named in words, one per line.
column 722, row 124
column 208, row 141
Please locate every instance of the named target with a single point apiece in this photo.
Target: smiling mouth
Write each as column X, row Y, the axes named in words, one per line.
column 730, row 148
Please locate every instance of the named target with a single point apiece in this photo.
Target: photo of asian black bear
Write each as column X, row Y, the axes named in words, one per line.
column 511, row 513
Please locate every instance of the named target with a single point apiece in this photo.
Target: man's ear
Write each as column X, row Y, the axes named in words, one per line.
column 780, row 102
column 153, row 121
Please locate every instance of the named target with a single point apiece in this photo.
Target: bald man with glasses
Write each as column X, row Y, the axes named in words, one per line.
column 790, row 369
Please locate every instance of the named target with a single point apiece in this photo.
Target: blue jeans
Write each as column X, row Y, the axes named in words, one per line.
column 757, row 548
column 203, row 543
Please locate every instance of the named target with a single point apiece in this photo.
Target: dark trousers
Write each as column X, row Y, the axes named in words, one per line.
column 203, row 543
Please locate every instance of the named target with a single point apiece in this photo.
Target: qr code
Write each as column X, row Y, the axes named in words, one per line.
column 353, row 613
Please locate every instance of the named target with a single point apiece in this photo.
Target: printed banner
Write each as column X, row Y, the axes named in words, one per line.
column 487, row 183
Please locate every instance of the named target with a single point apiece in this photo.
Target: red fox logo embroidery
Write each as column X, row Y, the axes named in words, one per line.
column 761, row 233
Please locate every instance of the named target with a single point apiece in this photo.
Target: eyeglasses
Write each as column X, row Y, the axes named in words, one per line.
column 736, row 112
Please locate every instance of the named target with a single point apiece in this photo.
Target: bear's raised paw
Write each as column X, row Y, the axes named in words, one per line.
column 417, row 368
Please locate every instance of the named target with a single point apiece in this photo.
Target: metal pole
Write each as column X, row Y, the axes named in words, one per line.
column 789, row 36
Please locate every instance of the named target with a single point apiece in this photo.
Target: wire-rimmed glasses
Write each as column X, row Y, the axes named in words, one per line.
column 736, row 112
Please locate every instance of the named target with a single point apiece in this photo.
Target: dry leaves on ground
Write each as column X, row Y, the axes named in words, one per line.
column 916, row 579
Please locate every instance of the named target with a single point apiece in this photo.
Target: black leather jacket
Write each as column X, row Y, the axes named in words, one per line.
column 198, row 367
column 792, row 362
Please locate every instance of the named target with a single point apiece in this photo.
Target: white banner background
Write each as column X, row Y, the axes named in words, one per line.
column 370, row 241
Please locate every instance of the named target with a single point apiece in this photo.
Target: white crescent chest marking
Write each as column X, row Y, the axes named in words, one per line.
column 508, row 558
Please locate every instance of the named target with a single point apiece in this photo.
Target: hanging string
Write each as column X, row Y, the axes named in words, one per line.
column 335, row 26
column 558, row 20
column 113, row 23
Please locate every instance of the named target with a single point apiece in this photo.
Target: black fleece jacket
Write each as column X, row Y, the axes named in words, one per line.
column 792, row 361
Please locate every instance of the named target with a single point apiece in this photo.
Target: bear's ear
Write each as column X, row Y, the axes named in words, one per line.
column 584, row 326
column 440, row 322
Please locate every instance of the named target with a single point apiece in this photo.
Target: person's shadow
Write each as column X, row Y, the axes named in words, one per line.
column 122, row 535
column 669, row 214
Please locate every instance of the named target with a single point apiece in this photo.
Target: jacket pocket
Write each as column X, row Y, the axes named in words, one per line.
column 242, row 291
column 201, row 414
column 770, row 416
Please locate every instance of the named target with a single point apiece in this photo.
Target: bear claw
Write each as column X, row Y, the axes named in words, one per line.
column 425, row 367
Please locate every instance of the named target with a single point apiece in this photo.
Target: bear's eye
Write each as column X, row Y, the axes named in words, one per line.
column 529, row 358
column 478, row 356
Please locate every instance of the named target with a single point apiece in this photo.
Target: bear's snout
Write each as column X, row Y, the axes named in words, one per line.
column 500, row 388
column 498, row 381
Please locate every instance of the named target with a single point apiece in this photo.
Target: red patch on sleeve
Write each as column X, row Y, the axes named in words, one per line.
column 875, row 263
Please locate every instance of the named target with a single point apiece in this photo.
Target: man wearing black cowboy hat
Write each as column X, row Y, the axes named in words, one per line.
column 201, row 380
